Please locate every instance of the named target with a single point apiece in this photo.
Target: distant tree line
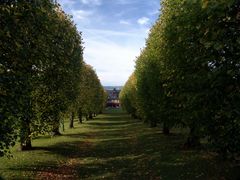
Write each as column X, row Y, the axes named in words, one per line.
column 188, row 74
column 42, row 73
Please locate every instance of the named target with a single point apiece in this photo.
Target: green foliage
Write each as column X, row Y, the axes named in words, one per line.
column 128, row 97
column 41, row 54
column 91, row 96
column 154, row 95
column 61, row 84
column 201, row 51
column 188, row 73
column 221, row 42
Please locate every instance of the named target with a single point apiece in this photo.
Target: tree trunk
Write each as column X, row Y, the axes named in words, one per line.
column 90, row 116
column 25, row 139
column 145, row 120
column 63, row 127
column 26, row 144
column 86, row 117
column 153, row 123
column 71, row 120
column 166, row 130
column 193, row 139
column 134, row 116
column 80, row 116
column 25, row 129
column 55, row 131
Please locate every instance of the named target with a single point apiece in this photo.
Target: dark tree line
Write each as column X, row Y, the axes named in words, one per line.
column 41, row 61
column 188, row 74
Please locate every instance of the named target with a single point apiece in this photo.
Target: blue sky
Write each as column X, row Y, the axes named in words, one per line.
column 113, row 32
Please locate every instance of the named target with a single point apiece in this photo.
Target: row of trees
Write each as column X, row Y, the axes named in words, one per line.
column 41, row 71
column 189, row 73
column 91, row 96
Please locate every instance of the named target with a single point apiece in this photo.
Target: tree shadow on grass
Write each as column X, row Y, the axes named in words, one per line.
column 107, row 124
column 114, row 117
column 122, row 158
column 128, row 150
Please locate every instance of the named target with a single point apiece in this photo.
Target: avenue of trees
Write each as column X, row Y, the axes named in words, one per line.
column 42, row 73
column 188, row 74
column 91, row 96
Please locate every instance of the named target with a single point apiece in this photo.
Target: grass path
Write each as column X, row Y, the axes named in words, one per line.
column 114, row 146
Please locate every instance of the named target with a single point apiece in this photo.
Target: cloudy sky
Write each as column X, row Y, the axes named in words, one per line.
column 113, row 31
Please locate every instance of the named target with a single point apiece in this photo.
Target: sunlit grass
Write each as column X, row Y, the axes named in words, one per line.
column 114, row 146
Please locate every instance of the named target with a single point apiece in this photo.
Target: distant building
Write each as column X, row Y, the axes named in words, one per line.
column 113, row 96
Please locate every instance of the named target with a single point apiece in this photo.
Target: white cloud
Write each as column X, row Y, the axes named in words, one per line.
column 124, row 22
column 109, row 33
column 113, row 33
column 155, row 12
column 67, row 3
column 113, row 60
column 148, row 31
column 81, row 14
column 125, row 2
column 114, row 63
column 113, row 78
column 143, row 21
column 92, row 2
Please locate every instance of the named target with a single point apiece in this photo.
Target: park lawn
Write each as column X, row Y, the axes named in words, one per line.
column 115, row 146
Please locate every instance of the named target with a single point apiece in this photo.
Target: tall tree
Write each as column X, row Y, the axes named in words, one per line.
column 128, row 97
column 91, row 96
column 41, row 55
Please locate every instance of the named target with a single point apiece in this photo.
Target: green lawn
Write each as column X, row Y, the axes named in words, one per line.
column 114, row 146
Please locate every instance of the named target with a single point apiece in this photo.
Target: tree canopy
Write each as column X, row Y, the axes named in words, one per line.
column 188, row 72
column 41, row 57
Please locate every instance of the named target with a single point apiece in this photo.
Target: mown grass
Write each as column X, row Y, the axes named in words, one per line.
column 114, row 146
